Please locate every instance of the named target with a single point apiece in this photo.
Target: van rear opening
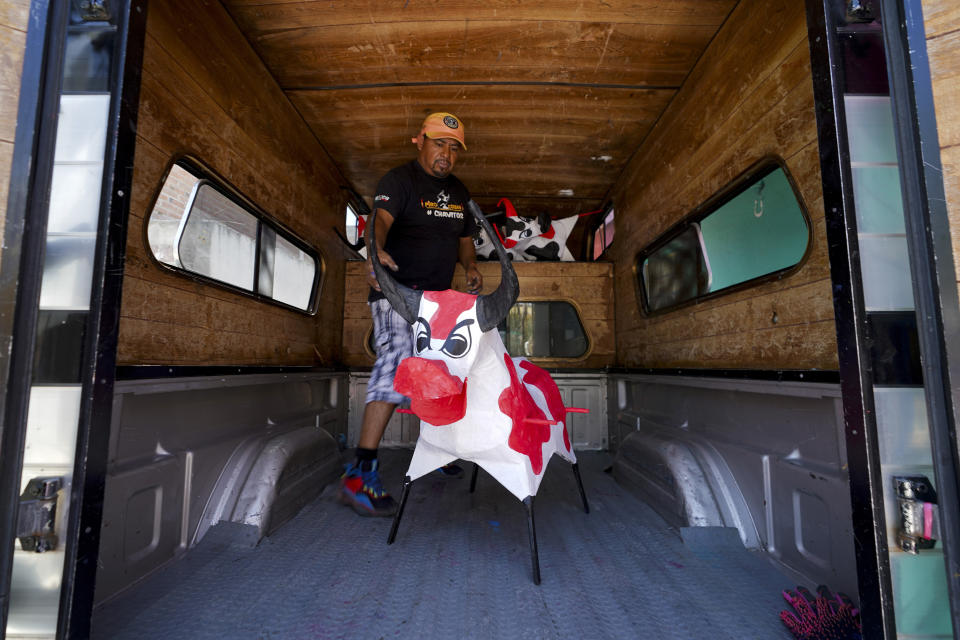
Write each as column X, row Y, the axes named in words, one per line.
column 730, row 224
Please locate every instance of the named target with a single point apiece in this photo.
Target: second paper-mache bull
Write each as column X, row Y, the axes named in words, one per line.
column 475, row 401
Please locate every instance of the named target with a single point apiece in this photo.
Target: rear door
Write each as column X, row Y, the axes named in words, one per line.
column 59, row 290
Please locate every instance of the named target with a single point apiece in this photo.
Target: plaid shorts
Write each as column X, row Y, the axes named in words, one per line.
column 393, row 339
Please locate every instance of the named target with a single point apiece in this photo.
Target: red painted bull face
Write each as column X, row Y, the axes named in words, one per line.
column 445, row 335
column 447, row 329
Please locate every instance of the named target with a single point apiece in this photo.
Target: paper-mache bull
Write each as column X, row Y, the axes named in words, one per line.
column 475, row 402
column 529, row 239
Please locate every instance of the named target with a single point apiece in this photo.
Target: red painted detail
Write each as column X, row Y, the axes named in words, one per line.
column 538, row 421
column 541, row 380
column 589, row 213
column 508, row 243
column 450, row 305
column 435, row 395
column 526, row 436
column 508, row 207
column 577, row 410
column 361, row 226
column 353, row 483
column 549, row 233
column 406, row 411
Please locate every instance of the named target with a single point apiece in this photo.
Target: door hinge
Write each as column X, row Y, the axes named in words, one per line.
column 919, row 513
column 37, row 513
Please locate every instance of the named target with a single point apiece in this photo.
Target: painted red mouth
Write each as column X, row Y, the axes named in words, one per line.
column 436, row 396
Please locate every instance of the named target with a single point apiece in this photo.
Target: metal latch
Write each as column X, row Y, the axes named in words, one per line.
column 38, row 509
column 919, row 514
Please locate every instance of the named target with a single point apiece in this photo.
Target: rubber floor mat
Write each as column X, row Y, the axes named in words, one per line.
column 460, row 568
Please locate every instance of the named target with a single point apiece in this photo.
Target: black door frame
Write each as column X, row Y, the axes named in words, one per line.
column 27, row 211
column 931, row 260
column 935, row 290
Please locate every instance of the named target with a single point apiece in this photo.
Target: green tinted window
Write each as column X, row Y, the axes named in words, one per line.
column 755, row 229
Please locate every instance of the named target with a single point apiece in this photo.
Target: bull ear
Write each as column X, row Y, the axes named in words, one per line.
column 403, row 299
column 493, row 307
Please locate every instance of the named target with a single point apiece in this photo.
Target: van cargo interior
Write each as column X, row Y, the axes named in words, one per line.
column 689, row 288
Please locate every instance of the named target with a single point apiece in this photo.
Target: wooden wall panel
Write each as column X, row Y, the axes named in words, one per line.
column 556, row 96
column 271, row 15
column 205, row 93
column 577, row 138
column 942, row 23
column 750, row 96
column 587, row 285
column 13, row 39
column 472, row 50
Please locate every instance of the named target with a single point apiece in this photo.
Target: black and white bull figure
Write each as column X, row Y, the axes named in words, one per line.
column 529, row 239
column 476, row 402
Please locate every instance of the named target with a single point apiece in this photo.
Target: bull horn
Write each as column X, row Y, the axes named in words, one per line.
column 403, row 299
column 493, row 307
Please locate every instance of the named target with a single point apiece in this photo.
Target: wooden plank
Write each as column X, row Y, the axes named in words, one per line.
column 367, row 112
column 787, row 307
column 207, row 47
column 255, row 16
column 146, row 301
column 760, row 105
column 587, row 284
column 241, row 124
column 524, row 269
column 12, row 43
column 471, row 50
column 808, row 346
column 15, row 14
column 731, row 75
column 180, row 117
column 950, row 160
column 943, row 52
column 940, row 17
column 175, row 344
column 551, row 129
column 774, row 123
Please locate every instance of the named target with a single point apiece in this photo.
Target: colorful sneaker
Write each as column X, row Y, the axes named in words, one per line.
column 363, row 491
column 451, row 471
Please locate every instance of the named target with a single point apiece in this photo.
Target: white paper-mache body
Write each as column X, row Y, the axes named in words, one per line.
column 476, row 403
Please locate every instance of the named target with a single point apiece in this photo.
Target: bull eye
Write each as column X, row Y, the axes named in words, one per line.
column 423, row 342
column 457, row 344
column 422, row 332
column 526, row 233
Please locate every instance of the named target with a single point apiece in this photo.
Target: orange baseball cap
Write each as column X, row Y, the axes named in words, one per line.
column 442, row 125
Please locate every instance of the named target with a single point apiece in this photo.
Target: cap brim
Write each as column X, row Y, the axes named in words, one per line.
column 446, row 134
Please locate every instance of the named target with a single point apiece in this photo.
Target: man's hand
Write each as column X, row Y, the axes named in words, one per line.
column 386, row 260
column 474, row 279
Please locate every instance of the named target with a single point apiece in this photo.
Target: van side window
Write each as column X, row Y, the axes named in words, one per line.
column 539, row 329
column 755, row 230
column 603, row 234
column 201, row 227
column 544, row 329
column 354, row 232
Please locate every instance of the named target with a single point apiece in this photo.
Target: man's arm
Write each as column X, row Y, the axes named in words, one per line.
column 468, row 260
column 383, row 224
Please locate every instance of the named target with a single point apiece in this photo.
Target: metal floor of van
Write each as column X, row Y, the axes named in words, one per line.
column 460, row 568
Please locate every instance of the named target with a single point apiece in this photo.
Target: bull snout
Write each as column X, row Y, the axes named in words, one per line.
column 436, row 395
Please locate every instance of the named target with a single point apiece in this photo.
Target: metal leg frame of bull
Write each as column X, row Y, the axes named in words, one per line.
column 509, row 419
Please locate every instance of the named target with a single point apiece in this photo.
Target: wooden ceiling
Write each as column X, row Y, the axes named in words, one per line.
column 555, row 97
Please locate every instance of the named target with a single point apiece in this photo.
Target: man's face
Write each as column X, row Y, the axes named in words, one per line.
column 437, row 156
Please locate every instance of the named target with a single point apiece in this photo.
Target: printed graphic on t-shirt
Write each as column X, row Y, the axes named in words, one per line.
column 440, row 207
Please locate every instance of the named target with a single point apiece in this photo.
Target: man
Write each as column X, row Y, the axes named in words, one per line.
column 423, row 230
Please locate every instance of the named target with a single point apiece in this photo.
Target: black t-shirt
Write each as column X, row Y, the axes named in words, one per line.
column 429, row 218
